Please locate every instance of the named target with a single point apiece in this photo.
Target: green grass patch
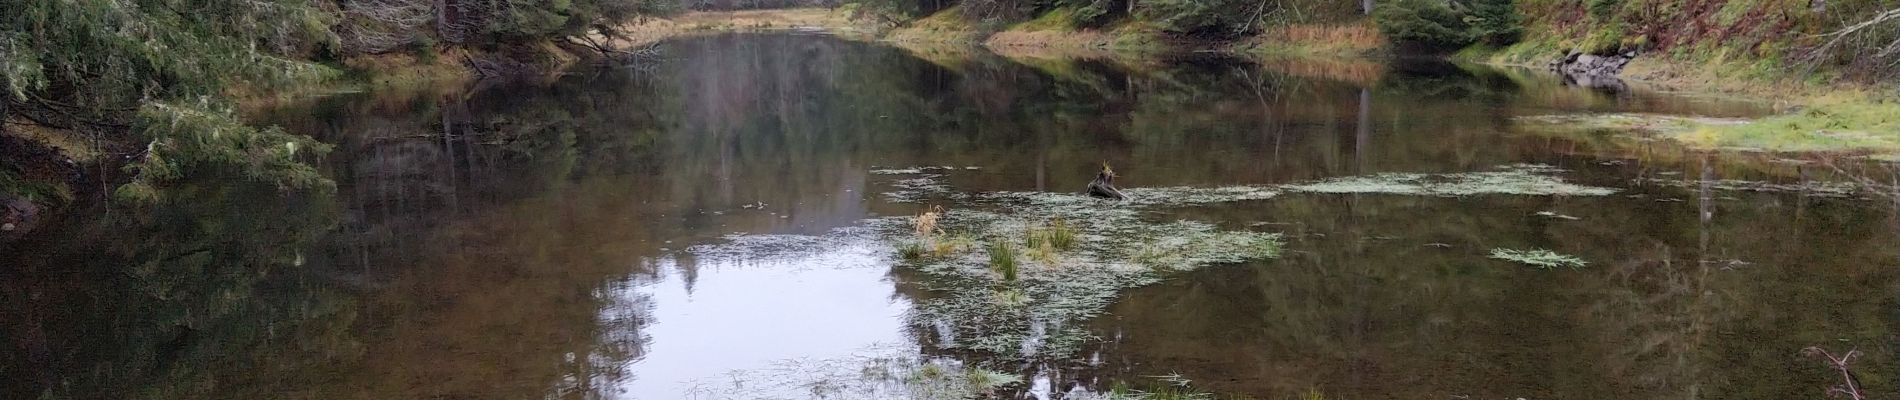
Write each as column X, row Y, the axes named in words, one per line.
column 1826, row 125
column 1540, row 258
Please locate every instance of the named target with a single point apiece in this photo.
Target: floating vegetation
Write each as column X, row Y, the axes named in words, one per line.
column 1626, row 122
column 1540, row 258
column 1046, row 296
column 888, row 372
column 851, row 247
column 919, row 170
column 1809, row 188
column 1522, row 179
column 920, row 188
column 1052, row 260
column 1535, row 180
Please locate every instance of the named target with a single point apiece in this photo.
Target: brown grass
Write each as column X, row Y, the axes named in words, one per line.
column 644, row 32
column 1350, row 39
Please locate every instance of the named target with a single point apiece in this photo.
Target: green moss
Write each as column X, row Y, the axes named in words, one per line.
column 33, row 191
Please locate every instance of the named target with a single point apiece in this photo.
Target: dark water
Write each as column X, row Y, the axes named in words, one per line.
column 536, row 239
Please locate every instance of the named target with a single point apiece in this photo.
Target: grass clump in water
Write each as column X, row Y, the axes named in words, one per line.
column 1003, row 259
column 911, row 250
column 1540, row 258
column 928, row 239
column 1056, row 234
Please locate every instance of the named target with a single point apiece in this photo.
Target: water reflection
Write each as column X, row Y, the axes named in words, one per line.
column 641, row 233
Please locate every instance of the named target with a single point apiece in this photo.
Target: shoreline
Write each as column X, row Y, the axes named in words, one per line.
column 944, row 32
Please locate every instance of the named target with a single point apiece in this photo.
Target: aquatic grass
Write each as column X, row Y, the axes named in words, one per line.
column 1540, row 258
column 1056, row 234
column 944, row 246
column 1044, row 253
column 1003, row 259
column 911, row 250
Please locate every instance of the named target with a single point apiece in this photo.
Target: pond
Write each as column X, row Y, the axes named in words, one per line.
column 725, row 221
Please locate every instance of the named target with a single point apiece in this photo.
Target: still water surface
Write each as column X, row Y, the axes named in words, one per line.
column 693, row 228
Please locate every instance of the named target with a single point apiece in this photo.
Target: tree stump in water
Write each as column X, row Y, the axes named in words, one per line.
column 1104, row 185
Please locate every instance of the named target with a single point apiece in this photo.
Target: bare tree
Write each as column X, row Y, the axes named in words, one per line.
column 1888, row 54
column 1850, row 386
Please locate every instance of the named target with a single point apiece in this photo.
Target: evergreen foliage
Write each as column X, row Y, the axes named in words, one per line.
column 1221, row 17
column 1440, row 25
column 146, row 73
column 150, row 79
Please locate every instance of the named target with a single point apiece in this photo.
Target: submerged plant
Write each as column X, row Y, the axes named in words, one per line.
column 1540, row 258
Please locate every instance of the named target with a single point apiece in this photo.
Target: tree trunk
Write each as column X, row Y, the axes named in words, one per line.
column 1365, row 6
column 1131, row 8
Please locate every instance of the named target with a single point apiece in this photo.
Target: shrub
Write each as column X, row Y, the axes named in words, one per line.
column 1437, row 25
column 1495, row 22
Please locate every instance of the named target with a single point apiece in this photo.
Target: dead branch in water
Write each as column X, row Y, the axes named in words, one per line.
column 1849, row 386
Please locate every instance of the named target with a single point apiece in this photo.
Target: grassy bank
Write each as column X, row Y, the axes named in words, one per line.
column 1824, row 109
column 1059, row 31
